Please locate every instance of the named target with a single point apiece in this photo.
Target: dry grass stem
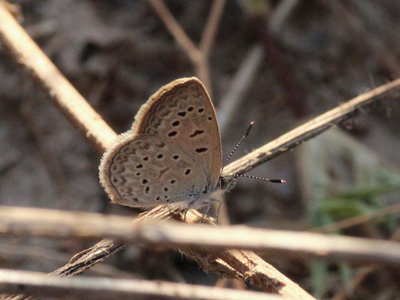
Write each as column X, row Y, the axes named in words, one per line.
column 244, row 265
column 25, row 52
column 104, row 288
column 359, row 220
column 247, row 70
column 17, row 42
column 280, row 15
column 308, row 130
column 71, row 225
column 198, row 55
column 240, row 83
column 362, row 275
column 175, row 29
column 210, row 30
column 365, row 36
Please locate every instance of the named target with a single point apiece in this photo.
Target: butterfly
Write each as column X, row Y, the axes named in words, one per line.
column 171, row 155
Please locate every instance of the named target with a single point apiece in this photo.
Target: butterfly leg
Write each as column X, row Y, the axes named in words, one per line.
column 185, row 212
column 189, row 206
column 208, row 206
column 218, row 210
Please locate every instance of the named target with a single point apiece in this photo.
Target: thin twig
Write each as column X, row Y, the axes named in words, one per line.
column 356, row 281
column 247, row 70
column 207, row 41
column 210, row 29
column 280, row 15
column 39, row 284
column 361, row 275
column 358, row 220
column 239, row 264
column 62, row 93
column 52, row 164
column 243, row 265
column 18, row 222
column 242, row 80
column 366, row 37
column 308, row 130
column 14, row 252
column 175, row 29
column 198, row 55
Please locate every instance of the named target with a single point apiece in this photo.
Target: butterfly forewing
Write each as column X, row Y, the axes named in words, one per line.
column 172, row 153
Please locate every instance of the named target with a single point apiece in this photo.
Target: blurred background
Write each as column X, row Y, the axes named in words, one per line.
column 279, row 63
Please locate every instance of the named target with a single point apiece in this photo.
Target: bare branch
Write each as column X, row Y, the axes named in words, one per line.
column 104, row 288
column 247, row 70
column 198, row 55
column 358, row 220
column 210, row 30
column 308, row 130
column 63, row 225
column 230, row 263
column 242, row 80
column 280, row 15
column 61, row 92
column 365, row 37
column 175, row 29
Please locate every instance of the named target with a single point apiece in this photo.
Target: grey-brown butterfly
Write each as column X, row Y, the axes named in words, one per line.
column 171, row 155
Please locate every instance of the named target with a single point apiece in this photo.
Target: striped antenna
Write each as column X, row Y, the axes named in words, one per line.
column 230, row 181
column 240, row 141
column 274, row 180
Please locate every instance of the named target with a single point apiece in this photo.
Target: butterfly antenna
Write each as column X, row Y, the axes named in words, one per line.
column 264, row 179
column 230, row 181
column 240, row 141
